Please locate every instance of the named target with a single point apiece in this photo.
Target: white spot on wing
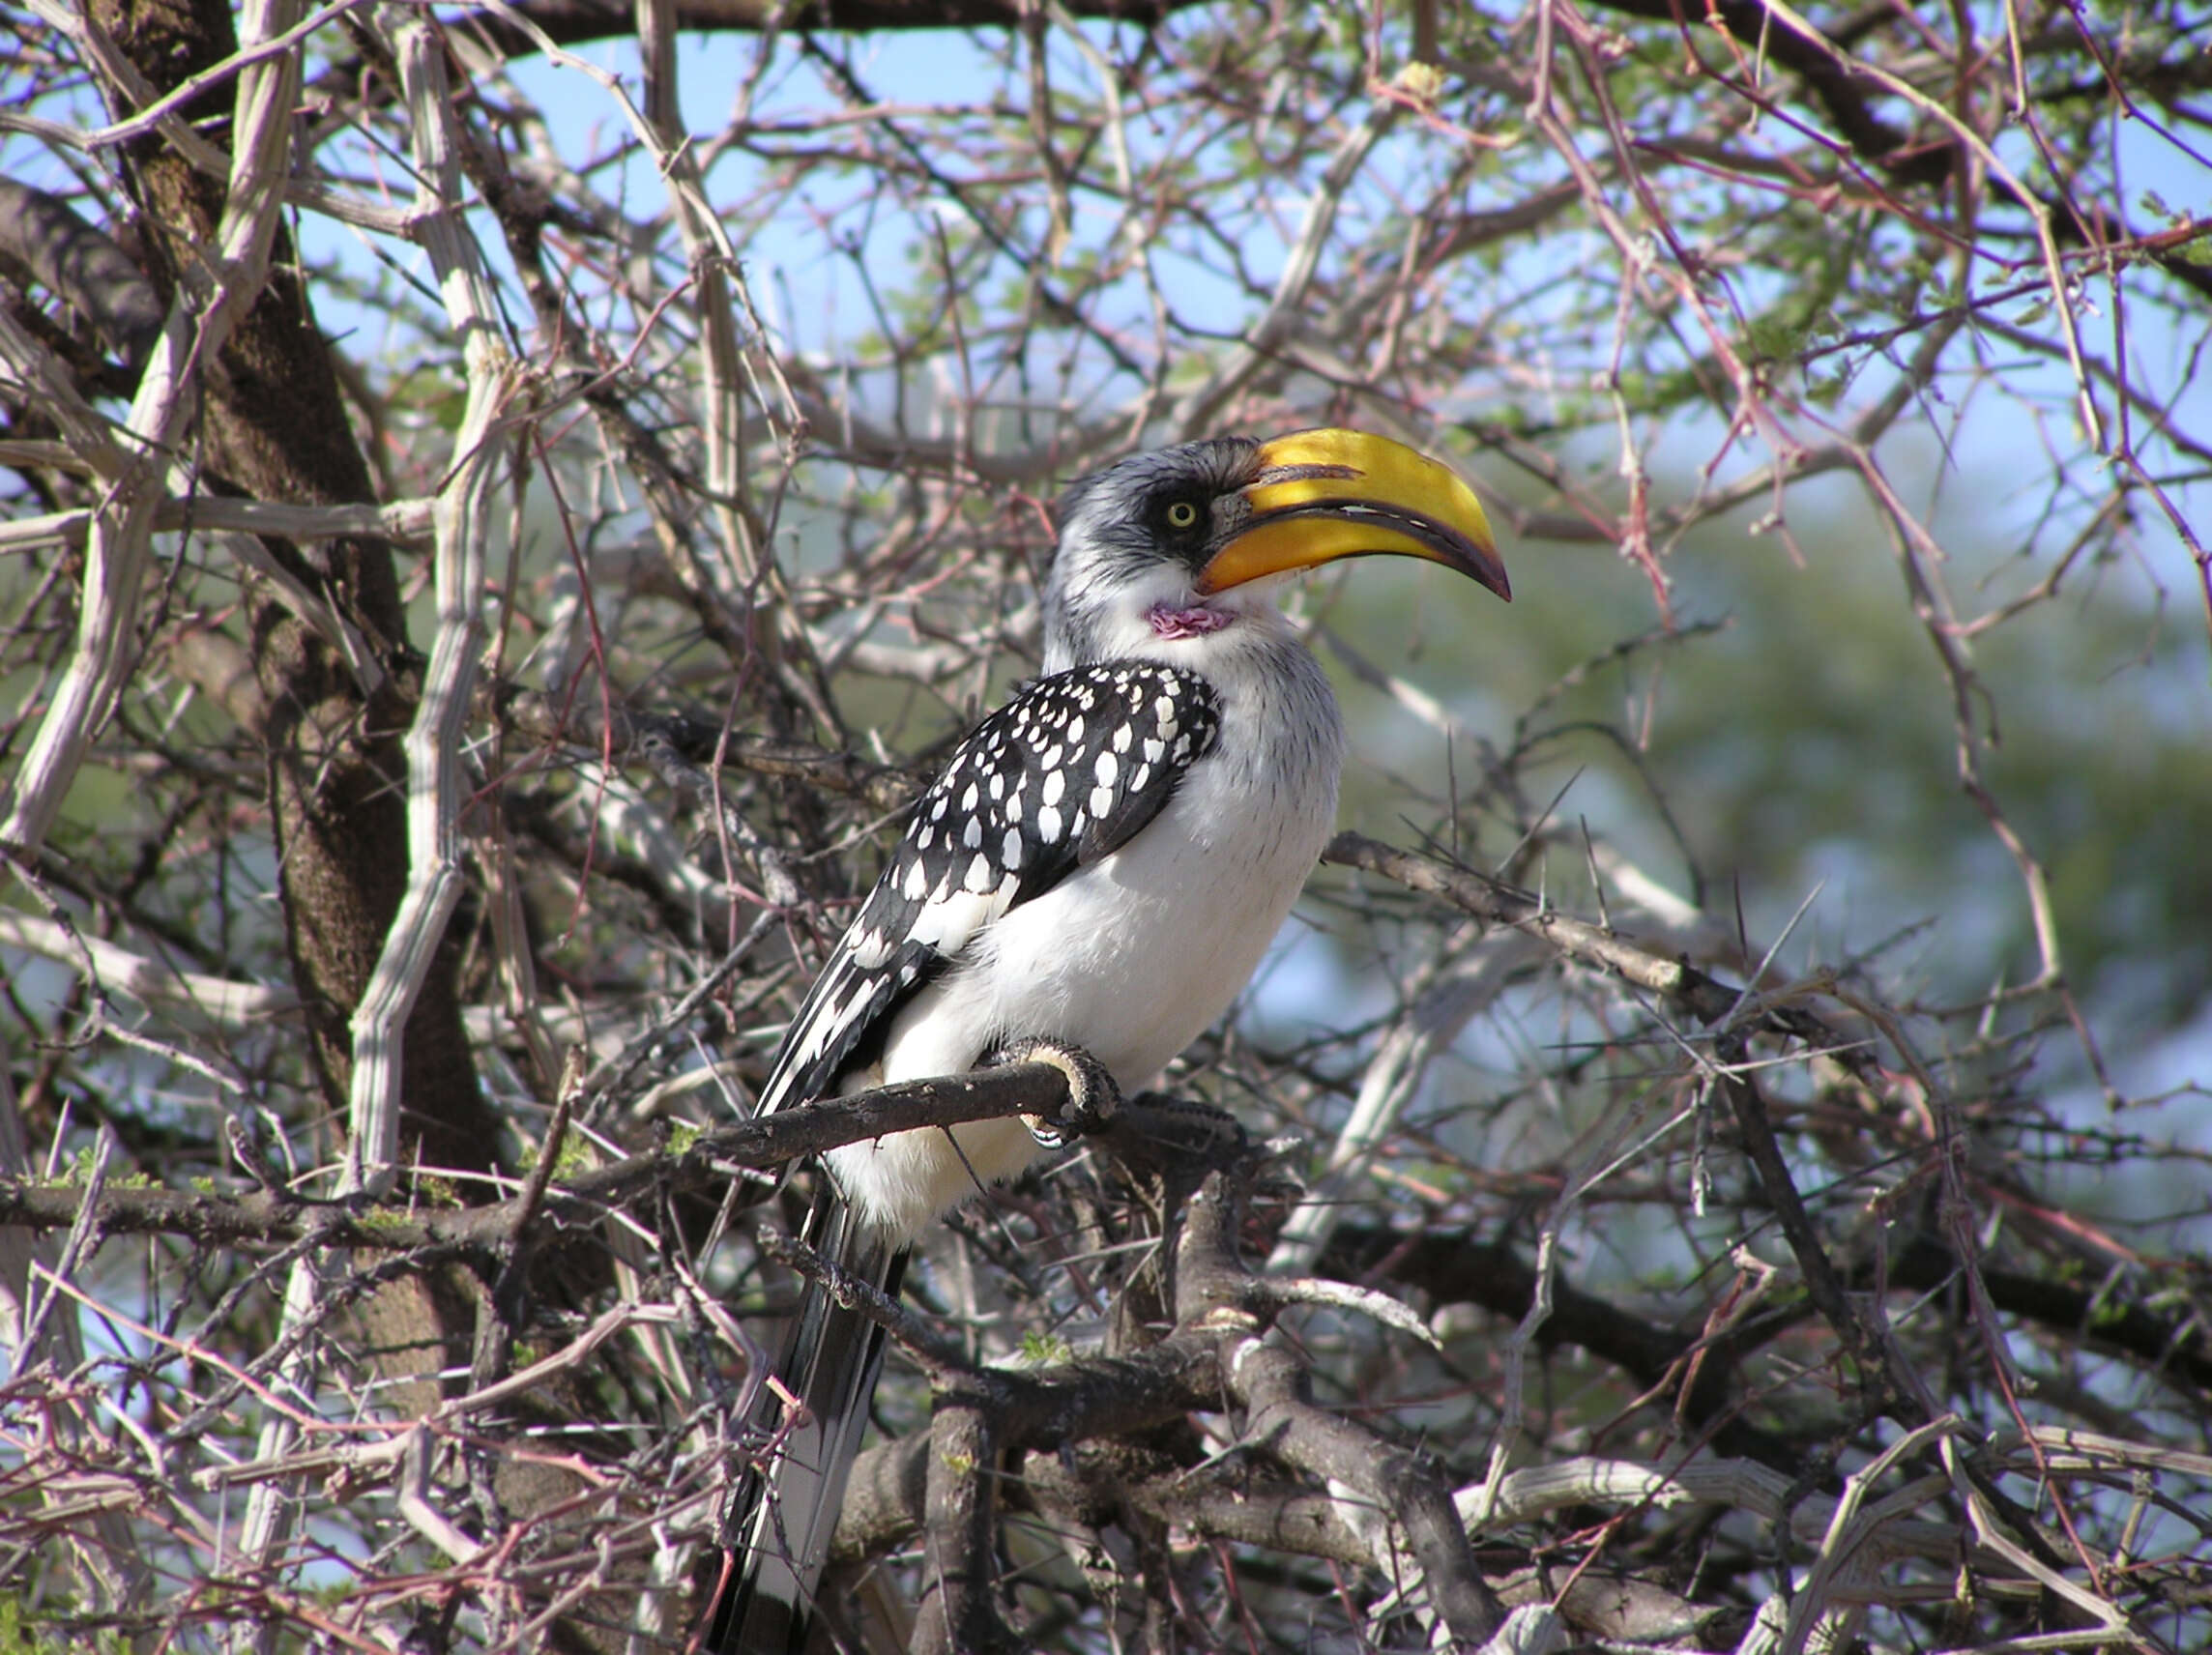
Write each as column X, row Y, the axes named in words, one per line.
column 947, row 923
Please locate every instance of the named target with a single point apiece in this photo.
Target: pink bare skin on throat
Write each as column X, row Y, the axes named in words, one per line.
column 1169, row 620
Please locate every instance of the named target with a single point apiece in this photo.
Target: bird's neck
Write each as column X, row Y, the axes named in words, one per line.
column 1175, row 628
column 1186, row 621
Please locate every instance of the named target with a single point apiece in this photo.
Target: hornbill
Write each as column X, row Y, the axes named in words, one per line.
column 1100, row 865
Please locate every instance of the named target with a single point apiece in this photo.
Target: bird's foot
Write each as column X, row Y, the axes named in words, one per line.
column 1200, row 1128
column 1093, row 1097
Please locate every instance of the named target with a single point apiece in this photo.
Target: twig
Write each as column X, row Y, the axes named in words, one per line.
column 1195, row 412
column 1703, row 997
column 219, row 1000
column 1822, row 1280
column 405, row 522
column 435, row 740
column 851, row 1292
column 1343, row 1295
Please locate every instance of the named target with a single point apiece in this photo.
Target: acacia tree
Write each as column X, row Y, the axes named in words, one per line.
column 491, row 549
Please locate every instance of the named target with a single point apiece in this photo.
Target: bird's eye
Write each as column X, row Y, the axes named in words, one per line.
column 1181, row 514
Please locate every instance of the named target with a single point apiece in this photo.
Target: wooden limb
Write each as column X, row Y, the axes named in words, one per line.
column 1266, row 1377
column 1389, row 1487
column 1599, row 946
column 959, row 1530
column 703, row 1162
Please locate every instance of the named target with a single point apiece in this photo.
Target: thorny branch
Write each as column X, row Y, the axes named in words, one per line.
column 1782, row 1265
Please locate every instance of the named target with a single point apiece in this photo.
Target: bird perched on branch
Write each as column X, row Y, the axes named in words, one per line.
column 1101, row 865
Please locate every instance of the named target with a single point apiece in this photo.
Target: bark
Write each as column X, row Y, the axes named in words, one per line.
column 275, row 428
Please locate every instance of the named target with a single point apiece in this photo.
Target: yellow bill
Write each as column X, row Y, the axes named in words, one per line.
column 1326, row 494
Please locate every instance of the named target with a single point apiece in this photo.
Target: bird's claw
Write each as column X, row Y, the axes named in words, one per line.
column 1093, row 1097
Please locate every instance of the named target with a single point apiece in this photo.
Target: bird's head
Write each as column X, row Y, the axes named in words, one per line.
column 1185, row 543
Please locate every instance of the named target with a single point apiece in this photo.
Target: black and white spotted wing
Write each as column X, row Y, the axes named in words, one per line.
column 1065, row 773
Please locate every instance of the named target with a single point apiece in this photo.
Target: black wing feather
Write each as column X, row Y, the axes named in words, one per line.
column 1065, row 774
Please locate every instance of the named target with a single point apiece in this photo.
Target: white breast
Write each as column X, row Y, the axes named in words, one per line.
column 1133, row 957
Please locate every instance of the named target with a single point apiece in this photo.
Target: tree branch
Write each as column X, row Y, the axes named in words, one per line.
column 703, row 1162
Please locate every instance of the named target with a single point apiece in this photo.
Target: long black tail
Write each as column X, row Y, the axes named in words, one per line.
column 784, row 1519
